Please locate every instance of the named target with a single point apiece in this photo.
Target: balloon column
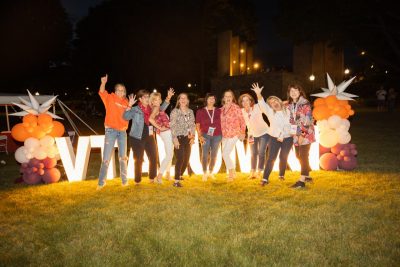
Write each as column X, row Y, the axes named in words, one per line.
column 331, row 111
column 39, row 154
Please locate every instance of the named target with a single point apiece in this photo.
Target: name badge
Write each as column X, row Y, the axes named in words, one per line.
column 293, row 129
column 151, row 130
column 210, row 131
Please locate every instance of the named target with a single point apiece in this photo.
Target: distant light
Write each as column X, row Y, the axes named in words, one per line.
column 242, row 51
column 189, row 85
column 65, row 94
column 372, row 66
column 256, row 65
column 37, row 93
column 241, row 65
column 362, row 53
column 234, row 62
column 87, row 88
column 248, row 68
column 195, row 85
column 312, row 77
column 155, row 90
column 346, row 71
column 386, row 71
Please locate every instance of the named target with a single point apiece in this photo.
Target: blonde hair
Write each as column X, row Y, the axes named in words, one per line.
column 179, row 97
column 153, row 96
column 278, row 100
column 249, row 97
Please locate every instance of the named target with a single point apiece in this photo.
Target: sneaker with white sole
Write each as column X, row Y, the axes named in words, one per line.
column 298, row 184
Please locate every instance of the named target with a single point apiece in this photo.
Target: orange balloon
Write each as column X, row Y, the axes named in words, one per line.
column 58, row 129
column 44, row 119
column 19, row 133
column 319, row 102
column 351, row 112
column 342, row 112
column 348, row 107
column 331, row 100
column 321, row 112
column 30, row 118
column 343, row 102
column 38, row 132
column 47, row 127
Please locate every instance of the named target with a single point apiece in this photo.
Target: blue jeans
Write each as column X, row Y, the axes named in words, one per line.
column 273, row 149
column 109, row 140
column 258, row 151
column 210, row 147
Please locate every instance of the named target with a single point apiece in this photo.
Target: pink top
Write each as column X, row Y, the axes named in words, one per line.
column 162, row 120
column 232, row 121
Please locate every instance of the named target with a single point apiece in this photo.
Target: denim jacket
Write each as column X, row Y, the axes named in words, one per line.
column 136, row 115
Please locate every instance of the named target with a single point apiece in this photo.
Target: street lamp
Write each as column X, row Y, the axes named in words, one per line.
column 312, row 77
column 362, row 53
column 37, row 93
column 189, row 85
column 155, row 90
column 346, row 71
column 256, row 66
column 241, row 51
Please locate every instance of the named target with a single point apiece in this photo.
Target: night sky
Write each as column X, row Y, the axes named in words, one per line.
column 270, row 49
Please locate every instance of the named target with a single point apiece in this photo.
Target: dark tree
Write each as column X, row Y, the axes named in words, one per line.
column 370, row 25
column 34, row 35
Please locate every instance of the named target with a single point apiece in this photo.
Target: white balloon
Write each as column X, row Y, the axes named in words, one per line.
column 328, row 138
column 47, row 141
column 346, row 124
column 40, row 154
column 334, row 121
column 31, row 143
column 20, row 155
column 344, row 138
column 322, row 124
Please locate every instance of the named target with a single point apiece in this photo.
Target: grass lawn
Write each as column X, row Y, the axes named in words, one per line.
column 343, row 218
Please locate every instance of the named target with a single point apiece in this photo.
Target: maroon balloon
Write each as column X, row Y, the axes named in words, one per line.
column 34, row 162
column 351, row 164
column 353, row 146
column 49, row 163
column 328, row 161
column 323, row 150
column 32, row 178
column 337, row 148
column 51, row 175
column 354, row 152
column 344, row 152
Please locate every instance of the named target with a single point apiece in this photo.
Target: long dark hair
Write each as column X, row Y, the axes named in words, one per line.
column 298, row 87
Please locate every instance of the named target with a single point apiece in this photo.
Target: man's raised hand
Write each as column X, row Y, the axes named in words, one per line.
column 104, row 79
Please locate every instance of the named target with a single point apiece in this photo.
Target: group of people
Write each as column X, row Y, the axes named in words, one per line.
column 386, row 99
column 290, row 123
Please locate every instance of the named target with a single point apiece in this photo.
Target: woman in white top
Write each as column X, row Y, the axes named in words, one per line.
column 257, row 133
column 280, row 132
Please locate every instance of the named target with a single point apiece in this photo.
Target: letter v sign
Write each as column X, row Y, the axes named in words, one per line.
column 75, row 167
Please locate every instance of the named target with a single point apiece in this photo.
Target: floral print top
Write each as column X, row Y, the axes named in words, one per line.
column 301, row 115
column 232, row 121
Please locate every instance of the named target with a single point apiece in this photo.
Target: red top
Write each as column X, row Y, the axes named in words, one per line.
column 204, row 116
column 115, row 107
column 162, row 120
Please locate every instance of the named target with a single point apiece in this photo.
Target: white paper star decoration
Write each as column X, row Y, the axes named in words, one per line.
column 33, row 107
column 337, row 91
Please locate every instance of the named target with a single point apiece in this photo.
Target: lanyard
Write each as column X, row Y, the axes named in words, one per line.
column 211, row 117
column 294, row 110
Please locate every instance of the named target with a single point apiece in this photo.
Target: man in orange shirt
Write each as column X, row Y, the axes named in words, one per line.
column 115, row 129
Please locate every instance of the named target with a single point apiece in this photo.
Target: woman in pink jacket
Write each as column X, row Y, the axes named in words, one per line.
column 233, row 129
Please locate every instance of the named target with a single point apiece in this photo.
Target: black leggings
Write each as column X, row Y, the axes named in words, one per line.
column 302, row 153
column 182, row 156
column 139, row 146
